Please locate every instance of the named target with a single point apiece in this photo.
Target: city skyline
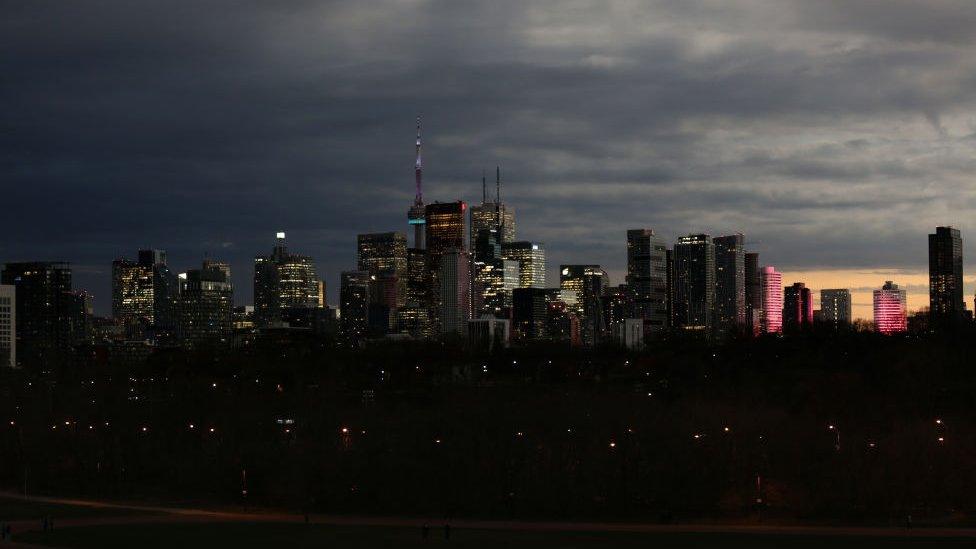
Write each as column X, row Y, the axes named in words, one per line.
column 756, row 122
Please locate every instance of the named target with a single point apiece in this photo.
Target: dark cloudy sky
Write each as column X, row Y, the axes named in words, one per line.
column 835, row 134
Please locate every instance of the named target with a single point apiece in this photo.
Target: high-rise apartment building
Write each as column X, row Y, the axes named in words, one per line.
column 282, row 281
column 946, row 302
column 647, row 277
column 753, row 293
column 730, row 282
column 890, row 313
column 694, row 279
column 772, row 300
column 8, row 326
column 797, row 307
column 835, row 307
column 43, row 311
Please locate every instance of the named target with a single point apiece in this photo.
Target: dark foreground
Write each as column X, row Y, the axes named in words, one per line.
column 247, row 535
column 91, row 524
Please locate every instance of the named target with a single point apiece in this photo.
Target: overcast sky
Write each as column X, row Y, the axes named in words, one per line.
column 834, row 134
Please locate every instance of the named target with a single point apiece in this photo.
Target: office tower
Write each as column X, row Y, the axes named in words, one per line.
column 382, row 253
column 455, row 291
column 694, row 278
column 531, row 257
column 945, row 275
column 562, row 324
column 354, row 306
column 42, row 311
column 529, row 315
column 8, row 326
column 835, row 307
column 797, row 307
column 283, row 280
column 587, row 284
column 445, row 230
column 630, row 333
column 132, row 292
column 772, row 300
column 647, row 277
column 730, row 282
column 416, row 215
column 493, row 278
column 492, row 215
column 166, row 291
column 80, row 311
column 618, row 306
column 753, row 275
column 889, row 309
column 205, row 306
column 413, row 317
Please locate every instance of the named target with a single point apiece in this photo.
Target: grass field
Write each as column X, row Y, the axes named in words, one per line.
column 18, row 509
column 263, row 535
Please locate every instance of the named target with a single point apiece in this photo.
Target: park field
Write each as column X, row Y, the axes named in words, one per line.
column 297, row 535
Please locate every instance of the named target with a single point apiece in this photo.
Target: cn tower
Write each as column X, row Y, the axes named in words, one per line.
column 415, row 215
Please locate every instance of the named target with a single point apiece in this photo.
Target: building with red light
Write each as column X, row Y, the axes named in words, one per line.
column 889, row 309
column 772, row 300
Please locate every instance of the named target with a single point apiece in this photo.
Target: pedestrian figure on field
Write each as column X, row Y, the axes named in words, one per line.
column 908, row 522
column 447, row 531
column 425, row 531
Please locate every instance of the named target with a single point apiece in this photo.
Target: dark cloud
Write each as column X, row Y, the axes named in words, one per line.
column 834, row 134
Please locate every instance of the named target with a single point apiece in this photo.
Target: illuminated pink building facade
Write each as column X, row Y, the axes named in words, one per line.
column 889, row 309
column 772, row 300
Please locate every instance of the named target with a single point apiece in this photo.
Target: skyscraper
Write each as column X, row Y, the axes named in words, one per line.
column 730, row 281
column 797, row 307
column 144, row 292
column 283, row 280
column 384, row 257
column 772, row 300
column 132, row 292
column 8, row 326
column 945, row 275
column 416, row 215
column 493, row 278
column 42, row 310
column 889, row 309
column 529, row 314
column 455, row 291
column 531, row 258
column 492, row 215
column 753, row 293
column 694, row 277
column 445, row 230
column 587, row 284
column 205, row 306
column 835, row 307
column 354, row 305
column 647, row 277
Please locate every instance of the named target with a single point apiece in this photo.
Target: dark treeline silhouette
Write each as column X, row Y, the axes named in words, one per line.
column 850, row 427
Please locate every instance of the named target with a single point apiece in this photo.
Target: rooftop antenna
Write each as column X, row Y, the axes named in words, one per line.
column 484, row 193
column 418, row 170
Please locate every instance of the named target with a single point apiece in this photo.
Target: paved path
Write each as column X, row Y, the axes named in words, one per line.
column 163, row 514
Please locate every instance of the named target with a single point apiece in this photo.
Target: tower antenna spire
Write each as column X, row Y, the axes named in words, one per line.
column 419, row 170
